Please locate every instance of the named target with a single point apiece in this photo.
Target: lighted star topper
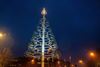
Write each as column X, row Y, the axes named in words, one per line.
column 44, row 12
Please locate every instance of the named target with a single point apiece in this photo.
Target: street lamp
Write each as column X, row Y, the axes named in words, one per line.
column 58, row 62
column 92, row 54
column 1, row 35
column 4, row 52
column 80, row 62
column 32, row 61
column 72, row 65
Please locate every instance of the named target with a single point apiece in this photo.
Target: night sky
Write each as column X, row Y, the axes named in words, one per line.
column 75, row 23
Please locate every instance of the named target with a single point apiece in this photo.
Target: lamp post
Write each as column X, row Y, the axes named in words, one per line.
column 2, row 62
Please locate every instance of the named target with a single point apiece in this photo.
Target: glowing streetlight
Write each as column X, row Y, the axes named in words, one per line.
column 92, row 54
column 58, row 62
column 72, row 65
column 80, row 62
column 32, row 61
column 1, row 35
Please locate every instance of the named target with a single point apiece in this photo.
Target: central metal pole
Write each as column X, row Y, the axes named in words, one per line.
column 43, row 41
column 43, row 36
